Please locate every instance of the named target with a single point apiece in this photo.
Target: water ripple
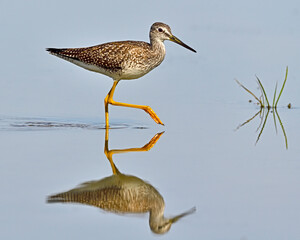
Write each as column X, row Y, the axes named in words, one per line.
column 38, row 124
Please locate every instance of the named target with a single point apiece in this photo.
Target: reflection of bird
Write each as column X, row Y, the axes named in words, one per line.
column 122, row 193
column 123, row 60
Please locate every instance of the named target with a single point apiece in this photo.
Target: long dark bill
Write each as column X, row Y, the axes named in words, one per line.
column 176, row 40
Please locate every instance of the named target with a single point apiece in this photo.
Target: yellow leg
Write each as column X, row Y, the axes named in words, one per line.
column 106, row 102
column 109, row 153
column 109, row 100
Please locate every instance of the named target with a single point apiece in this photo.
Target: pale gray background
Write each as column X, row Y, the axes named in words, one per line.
column 241, row 191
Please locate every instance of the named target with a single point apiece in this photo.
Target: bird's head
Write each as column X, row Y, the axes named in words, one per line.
column 162, row 225
column 162, row 32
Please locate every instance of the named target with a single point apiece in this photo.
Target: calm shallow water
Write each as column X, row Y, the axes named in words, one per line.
column 244, row 191
column 241, row 189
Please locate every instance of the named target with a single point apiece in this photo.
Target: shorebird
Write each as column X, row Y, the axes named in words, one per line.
column 123, row 60
column 120, row 193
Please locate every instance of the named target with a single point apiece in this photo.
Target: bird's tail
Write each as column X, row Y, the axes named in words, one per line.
column 60, row 198
column 55, row 51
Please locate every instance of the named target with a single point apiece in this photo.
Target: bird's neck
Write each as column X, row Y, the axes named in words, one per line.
column 157, row 209
column 156, row 217
column 157, row 46
column 158, row 52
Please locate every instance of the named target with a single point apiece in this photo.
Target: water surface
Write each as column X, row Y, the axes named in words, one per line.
column 52, row 134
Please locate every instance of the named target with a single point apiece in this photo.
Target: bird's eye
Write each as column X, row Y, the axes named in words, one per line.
column 160, row 30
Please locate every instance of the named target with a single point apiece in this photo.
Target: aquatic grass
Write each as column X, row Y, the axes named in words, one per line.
column 281, row 124
column 265, row 108
column 246, row 89
column 263, row 100
column 286, row 74
column 264, row 119
column 274, row 97
column 263, row 114
column 264, row 95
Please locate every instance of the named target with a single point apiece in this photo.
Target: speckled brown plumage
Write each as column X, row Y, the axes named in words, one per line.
column 122, row 193
column 115, row 59
column 123, row 60
column 118, row 193
column 110, row 56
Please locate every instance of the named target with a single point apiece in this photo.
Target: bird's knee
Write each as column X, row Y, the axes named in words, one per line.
column 108, row 100
column 148, row 109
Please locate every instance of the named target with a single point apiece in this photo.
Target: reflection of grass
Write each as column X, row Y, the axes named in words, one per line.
column 263, row 99
column 265, row 108
column 263, row 113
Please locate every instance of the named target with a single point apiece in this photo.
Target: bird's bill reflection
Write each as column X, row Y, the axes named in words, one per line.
column 175, row 219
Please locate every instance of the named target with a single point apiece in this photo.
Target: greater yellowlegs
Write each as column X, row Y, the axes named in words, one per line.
column 122, row 193
column 123, row 60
